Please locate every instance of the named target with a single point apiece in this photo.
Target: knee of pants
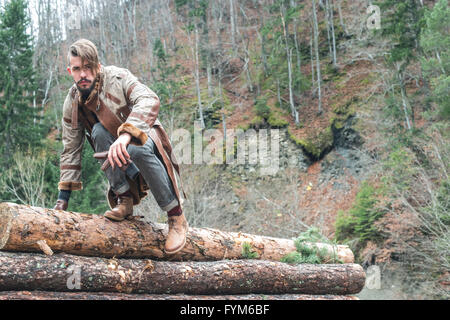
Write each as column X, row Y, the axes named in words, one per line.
column 148, row 149
column 99, row 132
column 102, row 138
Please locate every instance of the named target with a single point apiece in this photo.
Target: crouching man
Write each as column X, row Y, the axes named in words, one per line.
column 119, row 116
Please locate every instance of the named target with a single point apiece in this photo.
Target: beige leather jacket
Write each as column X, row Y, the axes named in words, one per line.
column 122, row 104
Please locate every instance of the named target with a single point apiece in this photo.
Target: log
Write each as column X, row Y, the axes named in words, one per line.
column 22, row 226
column 53, row 295
column 63, row 272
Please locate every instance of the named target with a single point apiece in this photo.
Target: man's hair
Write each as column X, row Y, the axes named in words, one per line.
column 86, row 50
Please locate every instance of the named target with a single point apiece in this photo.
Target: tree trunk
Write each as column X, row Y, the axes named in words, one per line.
column 53, row 295
column 233, row 28
column 62, row 272
column 197, row 78
column 316, row 49
column 341, row 19
column 294, row 111
column 22, row 226
column 330, row 15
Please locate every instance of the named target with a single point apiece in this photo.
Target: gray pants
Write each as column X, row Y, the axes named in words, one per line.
column 146, row 160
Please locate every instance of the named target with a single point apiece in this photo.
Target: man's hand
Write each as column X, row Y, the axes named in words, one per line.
column 118, row 154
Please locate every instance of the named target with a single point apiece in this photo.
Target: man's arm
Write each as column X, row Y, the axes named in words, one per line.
column 137, row 127
column 70, row 159
column 145, row 110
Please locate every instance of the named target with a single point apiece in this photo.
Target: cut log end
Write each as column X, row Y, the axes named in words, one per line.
column 5, row 223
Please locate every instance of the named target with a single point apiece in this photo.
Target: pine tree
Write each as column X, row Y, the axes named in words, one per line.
column 402, row 24
column 435, row 41
column 166, row 83
column 19, row 120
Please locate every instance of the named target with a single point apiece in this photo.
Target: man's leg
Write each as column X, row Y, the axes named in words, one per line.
column 102, row 141
column 152, row 169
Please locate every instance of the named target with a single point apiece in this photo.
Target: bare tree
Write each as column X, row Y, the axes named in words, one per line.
column 233, row 27
column 330, row 14
column 316, row 49
column 294, row 111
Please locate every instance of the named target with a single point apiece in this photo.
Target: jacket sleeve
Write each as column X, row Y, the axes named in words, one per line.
column 145, row 108
column 70, row 160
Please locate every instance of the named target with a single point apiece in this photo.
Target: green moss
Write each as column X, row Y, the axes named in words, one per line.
column 275, row 121
column 337, row 122
column 248, row 252
column 342, row 112
column 257, row 122
column 315, row 146
column 243, row 127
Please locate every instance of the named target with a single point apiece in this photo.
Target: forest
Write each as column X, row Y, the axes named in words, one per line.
column 355, row 95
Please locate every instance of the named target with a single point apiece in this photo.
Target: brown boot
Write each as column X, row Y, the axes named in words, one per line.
column 123, row 209
column 176, row 239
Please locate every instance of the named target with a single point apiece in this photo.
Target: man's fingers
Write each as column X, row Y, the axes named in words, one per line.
column 121, row 155
column 116, row 158
column 110, row 158
column 125, row 152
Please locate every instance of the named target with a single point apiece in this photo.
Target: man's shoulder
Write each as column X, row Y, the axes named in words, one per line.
column 71, row 93
column 115, row 72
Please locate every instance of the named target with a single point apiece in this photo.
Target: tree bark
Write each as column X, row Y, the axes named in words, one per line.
column 53, row 295
column 62, row 272
column 233, row 28
column 316, row 49
column 21, row 226
column 294, row 111
column 330, row 16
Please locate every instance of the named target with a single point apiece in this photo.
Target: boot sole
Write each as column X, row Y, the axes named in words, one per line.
column 118, row 219
column 178, row 249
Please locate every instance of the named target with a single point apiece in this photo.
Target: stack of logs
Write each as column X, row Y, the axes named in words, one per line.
column 51, row 254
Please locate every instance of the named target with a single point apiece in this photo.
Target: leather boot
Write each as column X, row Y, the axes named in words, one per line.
column 123, row 209
column 176, row 239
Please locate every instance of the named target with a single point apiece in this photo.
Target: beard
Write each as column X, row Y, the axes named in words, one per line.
column 85, row 92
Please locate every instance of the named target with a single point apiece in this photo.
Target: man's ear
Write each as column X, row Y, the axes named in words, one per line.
column 69, row 70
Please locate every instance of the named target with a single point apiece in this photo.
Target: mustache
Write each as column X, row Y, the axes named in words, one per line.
column 85, row 80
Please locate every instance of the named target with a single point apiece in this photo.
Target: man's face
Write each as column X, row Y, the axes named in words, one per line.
column 83, row 74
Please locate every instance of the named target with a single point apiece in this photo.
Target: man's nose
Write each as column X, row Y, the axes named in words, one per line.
column 83, row 74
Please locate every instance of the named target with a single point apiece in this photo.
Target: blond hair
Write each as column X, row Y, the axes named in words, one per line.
column 86, row 50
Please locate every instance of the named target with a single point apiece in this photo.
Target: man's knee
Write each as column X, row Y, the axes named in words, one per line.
column 98, row 130
column 147, row 150
column 102, row 138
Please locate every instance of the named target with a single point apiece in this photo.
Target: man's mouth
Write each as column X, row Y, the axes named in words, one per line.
column 83, row 82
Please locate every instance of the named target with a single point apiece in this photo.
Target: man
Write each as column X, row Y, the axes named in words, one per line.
column 118, row 114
